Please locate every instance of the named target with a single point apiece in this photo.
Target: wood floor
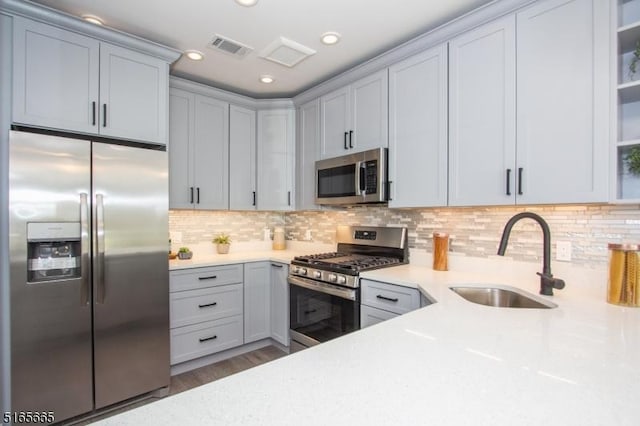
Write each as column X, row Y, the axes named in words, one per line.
column 210, row 373
column 201, row 376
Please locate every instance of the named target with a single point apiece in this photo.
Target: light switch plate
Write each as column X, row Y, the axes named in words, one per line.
column 563, row 251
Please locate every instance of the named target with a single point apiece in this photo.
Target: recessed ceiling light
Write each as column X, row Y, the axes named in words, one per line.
column 267, row 79
column 330, row 38
column 247, row 3
column 93, row 19
column 194, row 55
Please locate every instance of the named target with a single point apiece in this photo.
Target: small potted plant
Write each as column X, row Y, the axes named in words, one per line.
column 222, row 241
column 633, row 160
column 633, row 64
column 185, row 253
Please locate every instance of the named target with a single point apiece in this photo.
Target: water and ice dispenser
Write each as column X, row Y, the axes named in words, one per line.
column 53, row 251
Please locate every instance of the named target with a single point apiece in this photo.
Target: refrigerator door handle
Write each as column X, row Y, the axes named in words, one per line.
column 84, row 249
column 99, row 250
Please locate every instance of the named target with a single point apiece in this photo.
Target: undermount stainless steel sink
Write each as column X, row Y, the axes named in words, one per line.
column 502, row 297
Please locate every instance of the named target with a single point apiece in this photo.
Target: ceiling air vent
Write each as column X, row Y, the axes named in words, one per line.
column 230, row 47
column 286, row 52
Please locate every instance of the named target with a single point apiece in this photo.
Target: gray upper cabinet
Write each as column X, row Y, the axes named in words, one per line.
column 418, row 130
column 242, row 158
column 355, row 118
column 55, row 77
column 335, row 123
column 211, row 153
column 563, row 101
column 275, row 159
column 482, row 133
column 180, row 147
column 198, row 151
column 66, row 81
column 133, row 95
column 307, row 152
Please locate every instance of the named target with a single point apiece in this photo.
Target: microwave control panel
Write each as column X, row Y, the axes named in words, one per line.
column 371, row 176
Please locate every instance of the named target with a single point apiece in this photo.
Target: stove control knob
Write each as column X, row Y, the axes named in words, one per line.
column 317, row 274
column 341, row 279
column 302, row 271
column 333, row 278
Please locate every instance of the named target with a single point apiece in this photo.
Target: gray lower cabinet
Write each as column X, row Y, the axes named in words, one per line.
column 221, row 307
column 205, row 338
column 280, row 303
column 371, row 316
column 207, row 311
column 257, row 301
column 382, row 301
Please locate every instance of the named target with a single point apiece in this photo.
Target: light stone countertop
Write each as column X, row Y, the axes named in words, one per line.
column 205, row 255
column 450, row 363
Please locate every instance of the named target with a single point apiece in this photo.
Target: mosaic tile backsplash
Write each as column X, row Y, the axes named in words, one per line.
column 473, row 231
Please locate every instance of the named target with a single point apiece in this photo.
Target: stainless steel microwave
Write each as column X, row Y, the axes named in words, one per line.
column 353, row 179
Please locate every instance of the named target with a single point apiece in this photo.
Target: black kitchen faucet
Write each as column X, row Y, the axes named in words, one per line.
column 547, row 282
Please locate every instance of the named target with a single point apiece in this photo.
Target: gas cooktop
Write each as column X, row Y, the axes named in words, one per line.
column 346, row 263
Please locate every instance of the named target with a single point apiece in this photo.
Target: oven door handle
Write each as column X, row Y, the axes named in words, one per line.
column 333, row 290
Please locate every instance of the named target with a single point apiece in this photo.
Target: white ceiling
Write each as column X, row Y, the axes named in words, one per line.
column 368, row 27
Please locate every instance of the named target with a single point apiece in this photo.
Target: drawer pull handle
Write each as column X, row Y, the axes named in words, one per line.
column 310, row 311
column 206, row 305
column 204, row 339
column 390, row 299
column 275, row 265
column 212, row 277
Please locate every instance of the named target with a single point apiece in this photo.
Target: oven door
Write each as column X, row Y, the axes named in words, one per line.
column 320, row 312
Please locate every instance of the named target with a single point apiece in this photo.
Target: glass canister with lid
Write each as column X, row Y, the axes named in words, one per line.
column 624, row 275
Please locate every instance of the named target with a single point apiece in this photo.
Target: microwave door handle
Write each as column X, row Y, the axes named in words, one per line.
column 357, row 182
column 361, row 178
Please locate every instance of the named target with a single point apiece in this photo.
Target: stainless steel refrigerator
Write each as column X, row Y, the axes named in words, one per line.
column 89, row 273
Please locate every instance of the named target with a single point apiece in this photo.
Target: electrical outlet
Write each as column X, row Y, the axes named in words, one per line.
column 563, row 251
column 175, row 237
column 307, row 235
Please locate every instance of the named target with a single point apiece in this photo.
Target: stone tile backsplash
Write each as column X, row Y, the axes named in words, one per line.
column 198, row 226
column 473, row 231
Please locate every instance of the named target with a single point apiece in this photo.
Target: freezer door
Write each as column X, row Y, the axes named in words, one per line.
column 131, row 278
column 49, row 187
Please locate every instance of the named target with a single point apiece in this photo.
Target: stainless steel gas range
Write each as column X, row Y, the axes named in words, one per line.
column 324, row 289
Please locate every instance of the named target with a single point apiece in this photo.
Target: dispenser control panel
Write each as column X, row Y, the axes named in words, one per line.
column 54, row 251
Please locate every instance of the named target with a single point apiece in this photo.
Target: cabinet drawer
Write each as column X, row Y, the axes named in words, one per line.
column 370, row 316
column 189, row 279
column 194, row 306
column 393, row 298
column 205, row 338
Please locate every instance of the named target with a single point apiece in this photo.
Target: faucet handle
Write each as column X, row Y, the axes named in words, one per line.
column 548, row 283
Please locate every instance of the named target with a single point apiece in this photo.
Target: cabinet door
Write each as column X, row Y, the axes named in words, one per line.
column 370, row 316
column 562, row 80
column 242, row 158
column 482, row 115
column 55, row 77
column 418, row 130
column 257, row 301
column 181, row 117
column 335, row 123
column 133, row 95
column 307, row 152
column 211, row 153
column 275, row 159
column 280, row 303
column 369, row 112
